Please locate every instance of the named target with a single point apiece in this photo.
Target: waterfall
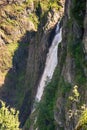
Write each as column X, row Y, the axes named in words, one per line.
column 51, row 63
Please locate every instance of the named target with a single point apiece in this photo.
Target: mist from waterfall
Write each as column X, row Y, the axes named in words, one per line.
column 51, row 63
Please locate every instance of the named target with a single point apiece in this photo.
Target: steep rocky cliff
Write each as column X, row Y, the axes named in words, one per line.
column 64, row 99
column 74, row 69
column 37, row 56
column 26, row 33
column 27, row 29
column 17, row 26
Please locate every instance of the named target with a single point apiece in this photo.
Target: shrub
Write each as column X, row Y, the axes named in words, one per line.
column 82, row 123
column 8, row 118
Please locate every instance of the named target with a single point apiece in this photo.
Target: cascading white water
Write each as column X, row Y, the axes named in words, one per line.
column 51, row 63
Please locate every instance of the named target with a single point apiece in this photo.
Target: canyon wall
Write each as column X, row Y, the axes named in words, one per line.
column 26, row 33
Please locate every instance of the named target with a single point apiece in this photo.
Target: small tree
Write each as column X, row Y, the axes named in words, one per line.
column 82, row 123
column 75, row 94
column 79, row 112
column 8, row 118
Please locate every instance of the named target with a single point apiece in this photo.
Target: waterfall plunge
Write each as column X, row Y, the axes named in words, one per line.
column 51, row 63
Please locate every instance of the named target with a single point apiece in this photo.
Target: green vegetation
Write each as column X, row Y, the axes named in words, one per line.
column 79, row 61
column 34, row 18
column 41, row 10
column 58, row 87
column 82, row 123
column 45, row 120
column 75, row 45
column 75, row 48
column 27, row 124
column 29, row 1
column 6, row 56
column 20, row 88
column 8, row 118
column 50, row 4
column 78, row 10
column 80, row 112
column 19, row 53
column 12, row 47
column 12, row 56
column 74, row 98
column 75, row 94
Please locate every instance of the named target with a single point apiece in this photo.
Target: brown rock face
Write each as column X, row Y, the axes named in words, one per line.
column 15, row 20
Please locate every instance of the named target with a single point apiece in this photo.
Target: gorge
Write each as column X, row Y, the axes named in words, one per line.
column 43, row 62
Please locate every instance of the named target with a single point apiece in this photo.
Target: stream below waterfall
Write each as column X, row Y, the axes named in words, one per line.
column 51, row 63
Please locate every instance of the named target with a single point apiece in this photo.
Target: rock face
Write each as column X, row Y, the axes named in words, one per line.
column 14, row 23
column 26, row 33
column 38, row 50
column 16, row 29
column 64, row 98
column 74, row 36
